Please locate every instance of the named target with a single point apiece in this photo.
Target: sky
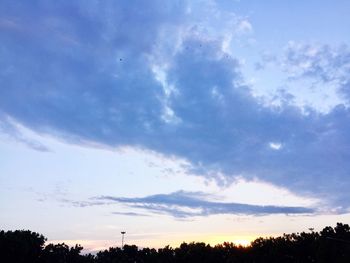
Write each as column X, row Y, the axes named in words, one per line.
column 174, row 120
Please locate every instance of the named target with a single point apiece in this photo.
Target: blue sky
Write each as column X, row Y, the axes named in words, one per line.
column 173, row 120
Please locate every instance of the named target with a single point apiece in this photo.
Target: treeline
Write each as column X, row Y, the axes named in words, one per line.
column 329, row 245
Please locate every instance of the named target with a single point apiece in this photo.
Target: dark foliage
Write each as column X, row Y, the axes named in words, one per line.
column 329, row 245
column 21, row 246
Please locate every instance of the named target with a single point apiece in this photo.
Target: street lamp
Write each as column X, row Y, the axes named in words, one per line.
column 123, row 233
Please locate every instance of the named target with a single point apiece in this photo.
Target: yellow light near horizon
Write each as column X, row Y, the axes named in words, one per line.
column 242, row 242
column 237, row 240
column 98, row 245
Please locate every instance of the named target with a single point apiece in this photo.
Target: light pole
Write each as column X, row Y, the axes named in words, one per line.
column 123, row 233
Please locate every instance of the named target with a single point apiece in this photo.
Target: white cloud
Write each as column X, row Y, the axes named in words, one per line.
column 244, row 27
column 275, row 145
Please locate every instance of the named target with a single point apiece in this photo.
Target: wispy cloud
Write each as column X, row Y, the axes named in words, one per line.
column 319, row 65
column 82, row 203
column 322, row 62
column 128, row 214
column 10, row 130
column 184, row 204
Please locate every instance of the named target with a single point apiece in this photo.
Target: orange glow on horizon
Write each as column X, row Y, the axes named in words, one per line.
column 241, row 240
column 91, row 246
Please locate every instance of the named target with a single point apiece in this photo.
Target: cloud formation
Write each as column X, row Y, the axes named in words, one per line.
column 182, row 204
column 322, row 62
column 106, row 73
column 10, row 130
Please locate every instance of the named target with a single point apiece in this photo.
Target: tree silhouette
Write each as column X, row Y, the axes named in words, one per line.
column 329, row 245
column 20, row 246
column 61, row 253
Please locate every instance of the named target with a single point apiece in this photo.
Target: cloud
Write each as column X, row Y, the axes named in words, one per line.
column 317, row 75
column 321, row 62
column 184, row 204
column 86, row 72
column 128, row 214
column 245, row 27
column 10, row 130
column 54, row 83
column 82, row 203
